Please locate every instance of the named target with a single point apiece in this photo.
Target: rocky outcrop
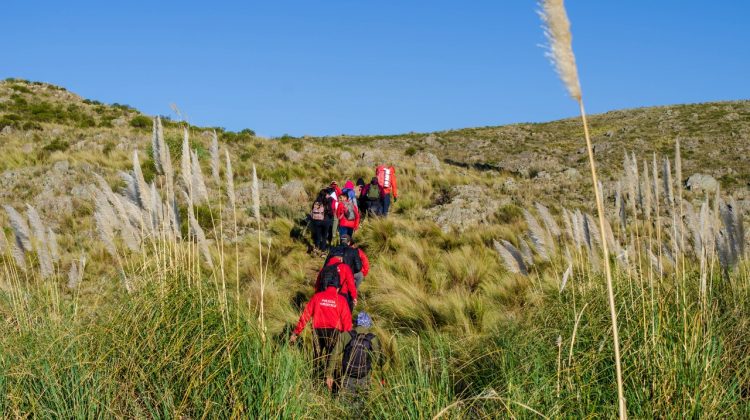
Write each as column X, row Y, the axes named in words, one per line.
column 469, row 207
column 701, row 182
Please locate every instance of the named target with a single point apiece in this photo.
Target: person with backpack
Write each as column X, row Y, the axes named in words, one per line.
column 387, row 179
column 331, row 191
column 337, row 271
column 321, row 219
column 349, row 192
column 359, row 276
column 348, row 216
column 359, row 190
column 355, row 353
column 331, row 316
column 351, row 257
column 373, row 195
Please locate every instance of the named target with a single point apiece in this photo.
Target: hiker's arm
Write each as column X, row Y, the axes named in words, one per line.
column 351, row 287
column 304, row 318
column 317, row 282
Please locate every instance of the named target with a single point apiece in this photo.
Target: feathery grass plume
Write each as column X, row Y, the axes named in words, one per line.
column 144, row 196
column 103, row 216
column 678, row 163
column 528, row 256
column 646, row 193
column 549, row 222
column 156, row 210
column 200, row 238
column 511, row 257
column 725, row 254
column 566, row 276
column 583, row 222
column 614, row 245
column 215, row 157
column 594, row 233
column 557, row 30
column 636, row 184
column 693, row 223
column 560, row 49
column 230, row 181
column 729, row 240
column 46, row 269
column 538, row 236
column 130, row 190
column 20, row 228
column 655, row 176
column 18, row 253
column 164, row 159
column 667, row 178
column 567, row 223
column 256, row 197
column 75, row 274
column 620, row 206
column 52, row 245
column 200, row 192
column 578, row 234
column 739, row 227
column 176, row 222
column 156, row 147
column 185, row 167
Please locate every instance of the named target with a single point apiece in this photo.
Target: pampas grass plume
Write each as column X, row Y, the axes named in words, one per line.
column 215, row 157
column 557, row 31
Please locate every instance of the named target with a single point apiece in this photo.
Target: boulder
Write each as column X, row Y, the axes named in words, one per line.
column 294, row 193
column 293, row 155
column 469, row 207
column 701, row 182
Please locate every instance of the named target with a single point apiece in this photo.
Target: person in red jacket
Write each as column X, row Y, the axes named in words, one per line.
column 331, row 316
column 346, row 281
column 387, row 179
column 348, row 216
column 358, row 277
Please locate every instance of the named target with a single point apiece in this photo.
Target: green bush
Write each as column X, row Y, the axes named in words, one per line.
column 142, row 122
column 410, row 151
column 56, row 145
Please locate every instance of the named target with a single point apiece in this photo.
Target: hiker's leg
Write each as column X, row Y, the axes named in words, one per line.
column 358, row 277
column 386, row 204
column 343, row 231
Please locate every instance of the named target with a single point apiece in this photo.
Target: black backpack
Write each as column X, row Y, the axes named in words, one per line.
column 349, row 255
column 357, row 360
column 373, row 193
column 329, row 276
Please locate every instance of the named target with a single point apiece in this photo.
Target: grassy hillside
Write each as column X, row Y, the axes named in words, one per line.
column 462, row 321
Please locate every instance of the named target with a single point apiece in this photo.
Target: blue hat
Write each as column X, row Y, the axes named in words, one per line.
column 364, row 320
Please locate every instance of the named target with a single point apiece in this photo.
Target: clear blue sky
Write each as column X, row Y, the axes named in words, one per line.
column 374, row 67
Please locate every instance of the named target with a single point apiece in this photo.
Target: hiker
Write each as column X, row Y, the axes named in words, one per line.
column 321, row 218
column 355, row 352
column 373, row 195
column 331, row 192
column 387, row 179
column 359, row 276
column 349, row 192
column 336, row 188
column 352, row 257
column 358, row 189
column 348, row 216
column 336, row 269
column 331, row 316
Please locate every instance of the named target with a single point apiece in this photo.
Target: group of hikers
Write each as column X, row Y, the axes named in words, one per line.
column 342, row 348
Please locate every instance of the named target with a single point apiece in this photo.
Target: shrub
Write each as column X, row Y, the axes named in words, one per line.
column 141, row 121
column 57, row 145
column 411, row 151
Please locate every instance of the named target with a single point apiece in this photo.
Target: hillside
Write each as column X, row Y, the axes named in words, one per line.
column 469, row 273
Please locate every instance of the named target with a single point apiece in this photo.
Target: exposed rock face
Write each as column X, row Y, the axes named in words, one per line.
column 293, row 156
column 426, row 161
column 469, row 207
column 702, row 182
column 293, row 192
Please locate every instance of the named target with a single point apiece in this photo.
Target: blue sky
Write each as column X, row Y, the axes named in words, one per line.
column 324, row 67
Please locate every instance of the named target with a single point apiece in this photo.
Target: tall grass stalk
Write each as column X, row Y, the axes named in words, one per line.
column 561, row 51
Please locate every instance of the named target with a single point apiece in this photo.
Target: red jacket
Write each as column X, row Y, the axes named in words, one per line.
column 346, row 278
column 365, row 262
column 387, row 179
column 343, row 221
column 328, row 309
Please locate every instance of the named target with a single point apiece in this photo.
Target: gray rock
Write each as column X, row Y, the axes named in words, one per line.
column 572, row 174
column 27, row 148
column 469, row 207
column 293, row 155
column 61, row 166
column 701, row 182
column 294, row 193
